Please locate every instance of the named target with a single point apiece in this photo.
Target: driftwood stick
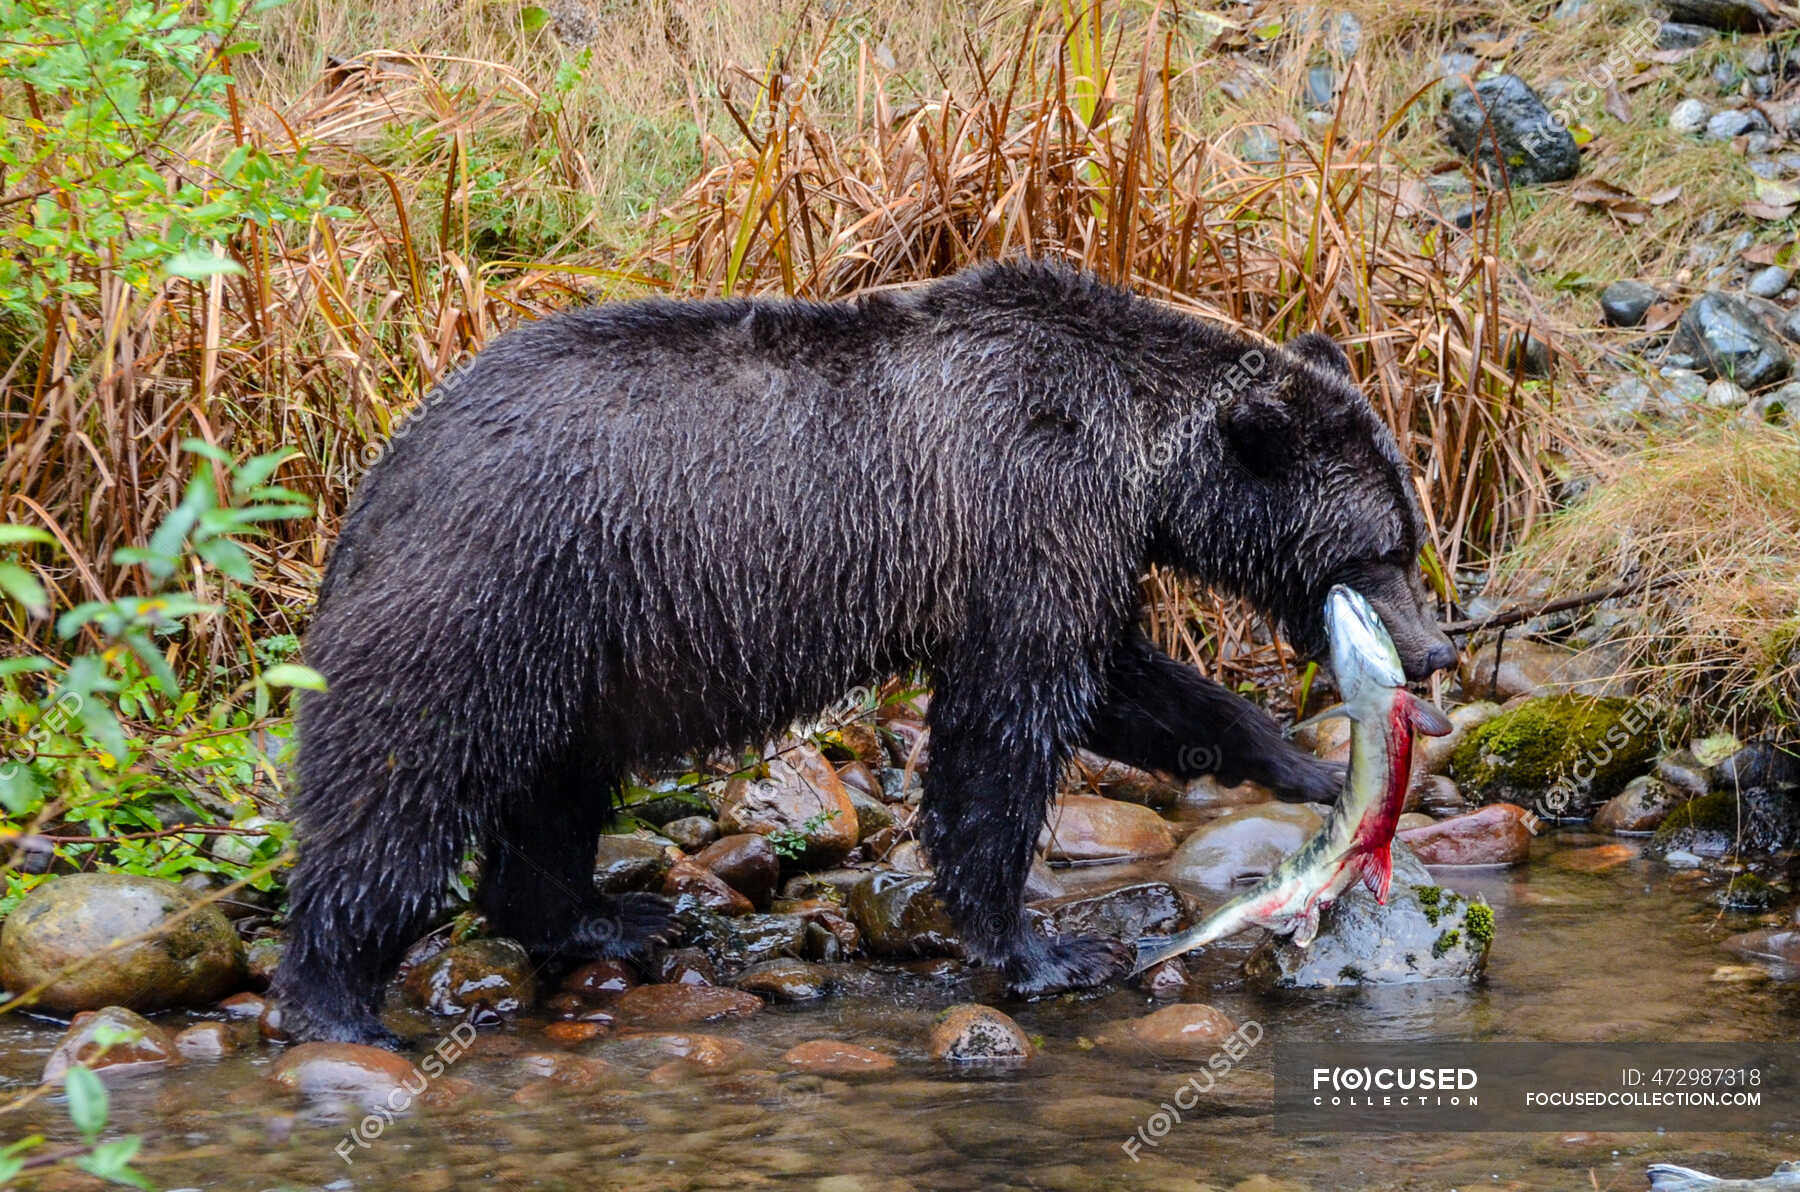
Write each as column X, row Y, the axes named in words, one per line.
column 1515, row 616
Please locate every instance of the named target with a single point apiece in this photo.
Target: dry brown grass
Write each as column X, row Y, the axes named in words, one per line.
column 1721, row 510
column 481, row 192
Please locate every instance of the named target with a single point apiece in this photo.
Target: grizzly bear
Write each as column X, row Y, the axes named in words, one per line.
column 637, row 533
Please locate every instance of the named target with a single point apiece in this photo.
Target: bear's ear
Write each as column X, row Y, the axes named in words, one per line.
column 1259, row 432
column 1315, row 347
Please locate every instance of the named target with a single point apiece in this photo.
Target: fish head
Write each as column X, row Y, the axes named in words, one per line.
column 1363, row 658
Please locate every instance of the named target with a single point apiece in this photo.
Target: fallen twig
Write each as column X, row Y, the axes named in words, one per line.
column 1514, row 616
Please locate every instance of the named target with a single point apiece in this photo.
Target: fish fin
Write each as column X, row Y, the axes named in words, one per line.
column 1154, row 949
column 1378, row 871
column 1427, row 718
column 1306, row 926
column 1331, row 713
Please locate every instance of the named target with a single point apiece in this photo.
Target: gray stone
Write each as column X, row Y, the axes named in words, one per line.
column 624, row 863
column 1529, row 354
column 1725, row 74
column 1258, row 144
column 1688, row 116
column 1454, row 66
column 1340, row 32
column 1144, row 908
column 1321, row 86
column 691, row 832
column 1674, row 35
column 1626, row 303
column 1735, row 16
column 1769, row 281
column 1424, row 933
column 1243, row 844
column 1533, row 148
column 1735, row 122
column 1726, row 339
column 1725, row 395
column 1681, row 386
column 1778, row 406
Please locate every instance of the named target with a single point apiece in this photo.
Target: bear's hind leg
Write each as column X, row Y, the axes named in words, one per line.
column 538, row 883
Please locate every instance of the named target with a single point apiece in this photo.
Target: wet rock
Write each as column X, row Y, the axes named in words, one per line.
column 746, row 862
column 243, row 1007
column 683, row 1005
column 1424, row 933
column 1726, row 339
column 872, row 814
column 1769, row 281
column 1528, row 355
column 1533, row 147
column 898, row 915
column 829, row 1057
column 600, row 980
column 113, row 1038
column 786, row 980
column 1243, row 844
column 1688, row 116
column 351, row 1071
column 1143, row 908
column 1167, row 981
column 1748, row 892
column 1780, row 946
column 1627, row 303
column 1734, row 16
column 582, row 1030
column 1494, row 835
column 1413, row 819
column 205, row 1041
column 494, row 972
column 1438, row 796
column 691, row 832
column 623, row 863
column 1567, row 752
column 1760, row 764
column 1089, row 828
column 1116, row 780
column 733, row 944
column 262, row 958
column 708, row 1053
column 1759, row 820
column 1521, row 666
column 1685, row 773
column 1320, row 86
column 685, row 966
column 60, row 935
column 976, row 1033
column 687, row 881
column 802, row 805
column 1432, row 754
column 1186, row 1030
column 1643, row 804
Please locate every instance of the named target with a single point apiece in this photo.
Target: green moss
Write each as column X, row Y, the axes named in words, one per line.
column 1350, row 973
column 1478, row 920
column 1717, row 812
column 1430, row 898
column 1747, row 892
column 1446, row 942
column 1590, row 745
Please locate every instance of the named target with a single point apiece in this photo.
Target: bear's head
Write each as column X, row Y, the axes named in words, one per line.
column 1301, row 488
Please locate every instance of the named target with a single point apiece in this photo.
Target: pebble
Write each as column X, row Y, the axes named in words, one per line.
column 1090, row 828
column 1181, row 1029
column 747, row 863
column 1626, row 303
column 1725, row 395
column 600, row 980
column 1722, row 126
column 975, row 1033
column 205, row 1041
column 355, row 1072
column 786, row 980
column 1769, row 281
column 687, row 880
column 1243, row 843
column 496, row 973
column 141, row 1046
column 1640, row 807
column 691, row 832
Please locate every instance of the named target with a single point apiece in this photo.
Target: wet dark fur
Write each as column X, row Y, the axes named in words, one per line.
column 634, row 532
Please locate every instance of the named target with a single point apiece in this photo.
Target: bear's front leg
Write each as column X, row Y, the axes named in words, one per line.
column 995, row 759
column 1161, row 715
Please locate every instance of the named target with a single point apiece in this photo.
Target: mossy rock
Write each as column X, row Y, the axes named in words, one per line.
column 1570, row 752
column 1718, row 824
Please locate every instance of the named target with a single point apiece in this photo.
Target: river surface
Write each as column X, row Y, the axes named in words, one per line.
column 1627, row 952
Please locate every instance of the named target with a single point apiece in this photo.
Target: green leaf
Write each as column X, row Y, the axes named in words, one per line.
column 10, row 1168
column 112, row 1161
column 20, row 789
column 87, row 1100
column 292, row 674
column 533, row 18
column 15, row 535
column 21, row 587
column 198, row 265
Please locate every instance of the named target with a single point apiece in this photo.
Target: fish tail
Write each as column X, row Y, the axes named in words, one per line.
column 1426, row 717
column 1378, row 871
column 1153, row 951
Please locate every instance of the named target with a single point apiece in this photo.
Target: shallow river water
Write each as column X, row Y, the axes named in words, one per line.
column 1626, row 953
